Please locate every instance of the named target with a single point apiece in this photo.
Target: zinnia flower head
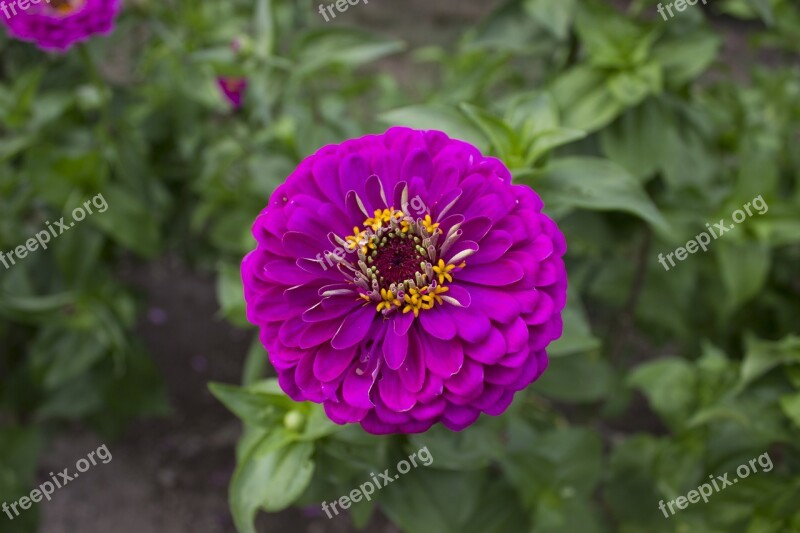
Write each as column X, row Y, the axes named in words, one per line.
column 402, row 280
column 233, row 88
column 55, row 25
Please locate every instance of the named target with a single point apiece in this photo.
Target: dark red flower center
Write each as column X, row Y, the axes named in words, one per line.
column 396, row 259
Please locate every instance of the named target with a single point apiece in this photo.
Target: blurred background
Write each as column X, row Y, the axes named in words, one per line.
column 636, row 131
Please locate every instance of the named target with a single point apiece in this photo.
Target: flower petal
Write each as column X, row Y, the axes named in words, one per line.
column 354, row 328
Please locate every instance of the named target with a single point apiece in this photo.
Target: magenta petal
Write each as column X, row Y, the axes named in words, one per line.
column 456, row 418
column 438, row 323
column 287, row 272
column 467, row 380
column 430, row 410
column 301, row 245
column 432, row 389
column 308, row 383
column 476, row 228
column 315, row 333
column 490, row 350
column 329, row 363
column 336, row 308
column 542, row 247
column 326, row 176
column 516, row 359
column 516, row 335
column 353, row 174
column 544, row 310
column 394, row 394
column 395, row 348
column 489, row 397
column 389, row 416
column 492, row 248
column 412, row 373
column 354, row 328
column 459, row 294
column 496, row 304
column 473, row 326
column 499, row 273
column 357, row 386
column 443, row 358
column 501, row 404
column 342, row 413
column 289, row 385
column 402, row 322
column 374, row 425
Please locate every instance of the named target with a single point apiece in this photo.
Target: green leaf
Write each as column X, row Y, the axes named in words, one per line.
column 669, row 385
column 744, row 268
column 581, row 378
column 790, row 404
column 686, row 56
column 458, row 451
column 631, row 492
column 327, row 47
column 19, row 454
column 271, row 476
column 264, row 30
column 555, row 16
column 255, row 365
column 577, row 335
column 762, row 356
column 561, row 463
column 33, row 307
column 128, row 221
column 503, row 139
column 596, row 184
column 584, row 100
column 764, row 10
column 427, row 500
column 612, row 40
column 632, row 87
column 230, row 294
column 259, row 404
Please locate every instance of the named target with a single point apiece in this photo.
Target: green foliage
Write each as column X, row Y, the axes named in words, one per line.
column 635, row 132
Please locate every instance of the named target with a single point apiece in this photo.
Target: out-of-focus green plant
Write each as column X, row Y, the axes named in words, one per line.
column 635, row 131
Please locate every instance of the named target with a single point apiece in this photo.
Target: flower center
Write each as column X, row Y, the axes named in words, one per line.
column 395, row 260
column 65, row 7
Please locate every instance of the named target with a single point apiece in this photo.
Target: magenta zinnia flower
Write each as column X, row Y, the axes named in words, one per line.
column 55, row 25
column 402, row 280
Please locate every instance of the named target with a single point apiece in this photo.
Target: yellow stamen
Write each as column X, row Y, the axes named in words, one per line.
column 443, row 271
column 389, row 302
column 430, row 226
column 353, row 241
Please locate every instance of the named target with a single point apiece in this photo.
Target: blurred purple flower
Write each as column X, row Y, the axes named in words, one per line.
column 56, row 25
column 233, row 88
column 446, row 286
column 157, row 316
